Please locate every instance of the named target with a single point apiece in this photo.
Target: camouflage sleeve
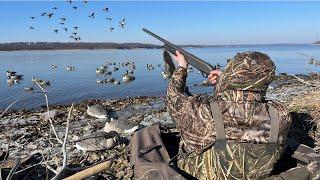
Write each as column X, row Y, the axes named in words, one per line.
column 191, row 114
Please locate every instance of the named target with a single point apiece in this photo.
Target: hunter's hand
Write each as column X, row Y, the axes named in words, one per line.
column 213, row 76
column 181, row 61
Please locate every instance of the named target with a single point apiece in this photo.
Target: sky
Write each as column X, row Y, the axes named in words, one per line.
column 181, row 22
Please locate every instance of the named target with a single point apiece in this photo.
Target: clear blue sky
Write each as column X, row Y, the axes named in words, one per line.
column 181, row 22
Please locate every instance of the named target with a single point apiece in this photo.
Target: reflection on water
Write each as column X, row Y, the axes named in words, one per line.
column 72, row 74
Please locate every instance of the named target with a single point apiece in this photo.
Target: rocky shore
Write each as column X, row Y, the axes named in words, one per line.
column 25, row 134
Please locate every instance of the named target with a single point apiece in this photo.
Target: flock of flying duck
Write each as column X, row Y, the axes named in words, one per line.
column 63, row 20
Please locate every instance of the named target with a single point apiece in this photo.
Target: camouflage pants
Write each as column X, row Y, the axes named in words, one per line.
column 236, row 161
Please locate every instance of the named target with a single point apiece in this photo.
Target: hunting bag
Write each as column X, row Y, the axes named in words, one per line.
column 150, row 157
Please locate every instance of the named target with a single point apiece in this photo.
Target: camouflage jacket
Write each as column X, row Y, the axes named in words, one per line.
column 244, row 120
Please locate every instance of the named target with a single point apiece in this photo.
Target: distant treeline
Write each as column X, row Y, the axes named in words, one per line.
column 80, row 45
column 318, row 42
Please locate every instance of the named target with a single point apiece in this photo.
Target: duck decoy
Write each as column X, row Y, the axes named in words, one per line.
column 99, row 81
column 28, row 89
column 97, row 111
column 11, row 73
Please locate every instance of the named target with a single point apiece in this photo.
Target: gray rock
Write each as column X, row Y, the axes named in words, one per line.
column 51, row 114
column 163, row 119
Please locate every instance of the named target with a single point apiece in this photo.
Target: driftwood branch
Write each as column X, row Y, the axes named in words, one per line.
column 91, row 171
column 13, row 169
column 14, row 102
column 303, row 81
column 48, row 110
column 64, row 147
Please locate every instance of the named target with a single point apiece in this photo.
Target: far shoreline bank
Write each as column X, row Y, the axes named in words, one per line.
column 10, row 47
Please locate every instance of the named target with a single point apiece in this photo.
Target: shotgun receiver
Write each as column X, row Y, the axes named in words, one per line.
column 193, row 60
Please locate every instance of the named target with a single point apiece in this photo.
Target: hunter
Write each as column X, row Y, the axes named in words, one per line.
column 237, row 134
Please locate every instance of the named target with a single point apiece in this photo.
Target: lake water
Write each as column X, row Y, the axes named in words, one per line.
column 81, row 84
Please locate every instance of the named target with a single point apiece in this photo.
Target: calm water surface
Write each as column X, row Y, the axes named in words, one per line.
column 81, row 84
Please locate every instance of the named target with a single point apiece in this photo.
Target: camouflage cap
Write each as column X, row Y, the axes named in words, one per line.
column 247, row 71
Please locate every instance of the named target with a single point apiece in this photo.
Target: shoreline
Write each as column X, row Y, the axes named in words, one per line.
column 147, row 46
column 30, row 134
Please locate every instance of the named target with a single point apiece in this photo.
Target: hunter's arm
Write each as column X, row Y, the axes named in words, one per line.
column 191, row 114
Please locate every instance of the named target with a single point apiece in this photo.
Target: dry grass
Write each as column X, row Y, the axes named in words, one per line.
column 309, row 102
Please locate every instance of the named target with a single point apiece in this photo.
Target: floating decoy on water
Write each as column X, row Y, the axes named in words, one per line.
column 75, row 28
column 150, row 66
column 70, row 68
column 43, row 83
column 11, row 73
column 15, row 77
column 122, row 23
column 53, row 66
column 99, row 81
column 100, row 71
column 105, row 9
column 32, row 17
column 103, row 67
column 311, row 61
column 66, row 29
column 97, row 111
column 28, row 89
column 91, row 15
column 75, row 7
column 165, row 75
column 110, row 80
column 108, row 19
column 34, row 80
column 127, row 78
